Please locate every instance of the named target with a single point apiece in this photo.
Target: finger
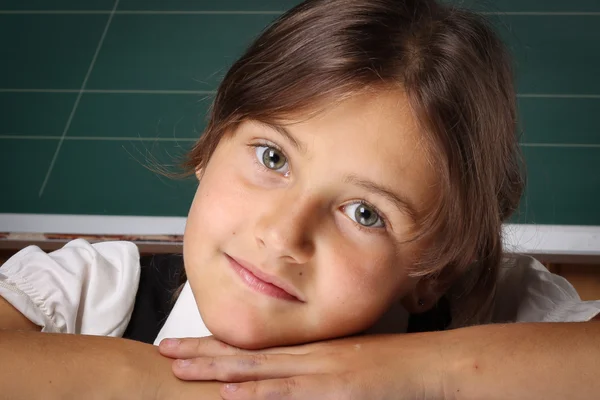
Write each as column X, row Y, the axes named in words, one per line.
column 307, row 387
column 209, row 346
column 297, row 349
column 242, row 368
column 196, row 347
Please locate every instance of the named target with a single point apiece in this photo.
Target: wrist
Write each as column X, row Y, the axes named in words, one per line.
column 157, row 379
column 136, row 382
column 433, row 355
column 462, row 365
column 144, row 373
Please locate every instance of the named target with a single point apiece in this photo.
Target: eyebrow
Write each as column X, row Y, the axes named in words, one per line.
column 286, row 133
column 401, row 202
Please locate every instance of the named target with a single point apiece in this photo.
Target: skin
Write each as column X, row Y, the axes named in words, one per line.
column 552, row 361
column 292, row 224
column 470, row 363
column 51, row 366
column 297, row 227
column 295, row 220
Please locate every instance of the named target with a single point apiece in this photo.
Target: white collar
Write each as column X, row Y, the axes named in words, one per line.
column 185, row 320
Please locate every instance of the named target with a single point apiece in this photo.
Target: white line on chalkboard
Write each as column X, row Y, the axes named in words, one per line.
column 143, row 12
column 99, row 138
column 544, row 13
column 212, row 92
column 174, row 139
column 557, row 96
column 110, row 91
column 562, row 145
column 269, row 12
column 85, row 79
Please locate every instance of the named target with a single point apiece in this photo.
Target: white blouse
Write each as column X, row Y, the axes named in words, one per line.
column 90, row 289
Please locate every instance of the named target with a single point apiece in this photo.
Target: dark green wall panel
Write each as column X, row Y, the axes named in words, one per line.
column 207, row 5
column 98, row 5
column 172, row 52
column 161, row 60
column 47, row 51
column 35, row 114
column 140, row 115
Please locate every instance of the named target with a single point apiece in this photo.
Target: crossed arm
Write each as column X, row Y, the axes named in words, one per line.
column 36, row 365
column 551, row 361
column 517, row 361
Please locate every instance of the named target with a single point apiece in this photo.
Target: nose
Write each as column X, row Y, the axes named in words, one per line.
column 285, row 227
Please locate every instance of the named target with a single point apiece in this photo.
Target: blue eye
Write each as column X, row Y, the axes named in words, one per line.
column 364, row 215
column 272, row 158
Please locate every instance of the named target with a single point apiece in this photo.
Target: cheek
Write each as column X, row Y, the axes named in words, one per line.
column 216, row 209
column 216, row 214
column 360, row 284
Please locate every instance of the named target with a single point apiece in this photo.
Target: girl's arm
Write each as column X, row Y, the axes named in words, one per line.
column 551, row 361
column 12, row 319
column 36, row 365
column 524, row 361
column 60, row 366
column 81, row 288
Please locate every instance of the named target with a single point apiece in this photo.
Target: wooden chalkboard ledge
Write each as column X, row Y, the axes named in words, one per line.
column 548, row 243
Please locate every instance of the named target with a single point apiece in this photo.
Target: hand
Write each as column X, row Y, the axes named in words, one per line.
column 359, row 368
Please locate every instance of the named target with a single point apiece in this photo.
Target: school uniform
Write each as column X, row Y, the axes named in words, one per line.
column 107, row 289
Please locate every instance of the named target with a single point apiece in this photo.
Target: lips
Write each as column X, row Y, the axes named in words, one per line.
column 262, row 282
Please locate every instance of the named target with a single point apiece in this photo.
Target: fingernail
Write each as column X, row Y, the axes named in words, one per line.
column 170, row 343
column 231, row 387
column 183, row 363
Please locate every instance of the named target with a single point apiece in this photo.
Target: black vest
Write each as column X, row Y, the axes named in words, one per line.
column 161, row 276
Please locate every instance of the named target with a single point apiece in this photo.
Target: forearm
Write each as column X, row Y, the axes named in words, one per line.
column 523, row 361
column 52, row 366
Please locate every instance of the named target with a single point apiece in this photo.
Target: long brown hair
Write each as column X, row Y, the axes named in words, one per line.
column 459, row 81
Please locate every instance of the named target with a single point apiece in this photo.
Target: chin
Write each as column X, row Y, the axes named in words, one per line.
column 247, row 331
column 257, row 336
column 246, row 342
column 248, row 336
column 257, row 342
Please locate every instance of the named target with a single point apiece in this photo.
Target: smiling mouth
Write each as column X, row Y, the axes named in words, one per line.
column 260, row 283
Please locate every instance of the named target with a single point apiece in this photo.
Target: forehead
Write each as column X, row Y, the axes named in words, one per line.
column 373, row 135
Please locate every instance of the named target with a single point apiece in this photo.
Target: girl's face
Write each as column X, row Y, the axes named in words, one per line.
column 295, row 233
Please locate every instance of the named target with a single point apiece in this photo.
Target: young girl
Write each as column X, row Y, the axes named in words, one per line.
column 354, row 176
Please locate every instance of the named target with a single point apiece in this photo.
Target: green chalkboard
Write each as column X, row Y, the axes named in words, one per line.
column 149, row 69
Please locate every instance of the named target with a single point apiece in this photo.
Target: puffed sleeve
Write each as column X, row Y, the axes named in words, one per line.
column 528, row 292
column 81, row 288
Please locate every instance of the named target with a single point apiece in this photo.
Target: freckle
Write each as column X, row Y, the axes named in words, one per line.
column 300, row 274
